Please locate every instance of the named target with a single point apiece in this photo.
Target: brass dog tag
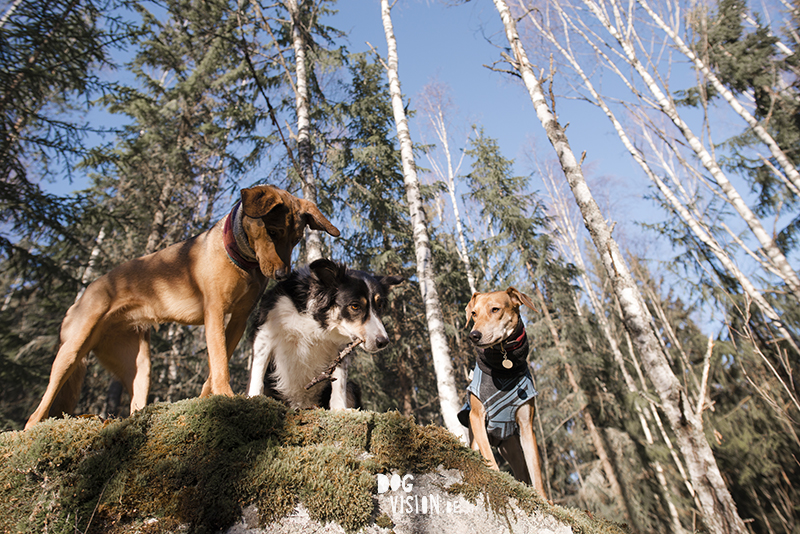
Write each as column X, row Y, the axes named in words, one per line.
column 507, row 364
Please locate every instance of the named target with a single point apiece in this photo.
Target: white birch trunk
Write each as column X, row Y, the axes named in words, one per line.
column 436, row 117
column 694, row 224
column 9, row 12
column 443, row 365
column 605, row 327
column 89, row 271
column 594, row 433
column 719, row 510
column 304, row 151
column 792, row 175
column 668, row 108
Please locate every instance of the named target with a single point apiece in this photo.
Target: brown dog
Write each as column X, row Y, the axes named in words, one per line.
column 501, row 395
column 220, row 272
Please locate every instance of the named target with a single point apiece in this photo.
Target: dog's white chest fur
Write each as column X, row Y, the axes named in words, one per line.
column 299, row 348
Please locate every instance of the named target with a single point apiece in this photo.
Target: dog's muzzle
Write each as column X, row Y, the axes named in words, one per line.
column 475, row 336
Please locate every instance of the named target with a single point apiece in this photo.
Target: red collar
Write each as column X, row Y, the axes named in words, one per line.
column 516, row 343
column 231, row 247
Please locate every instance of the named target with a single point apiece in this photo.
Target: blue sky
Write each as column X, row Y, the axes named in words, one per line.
column 452, row 44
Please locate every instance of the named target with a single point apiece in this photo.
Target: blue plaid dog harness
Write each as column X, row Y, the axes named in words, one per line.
column 501, row 390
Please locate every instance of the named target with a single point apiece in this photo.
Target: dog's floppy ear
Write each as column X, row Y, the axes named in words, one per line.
column 470, row 306
column 519, row 298
column 315, row 219
column 327, row 272
column 259, row 200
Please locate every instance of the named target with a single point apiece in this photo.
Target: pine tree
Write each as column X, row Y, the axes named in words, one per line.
column 50, row 58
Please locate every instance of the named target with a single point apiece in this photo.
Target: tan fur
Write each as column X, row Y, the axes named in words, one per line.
column 495, row 316
column 192, row 282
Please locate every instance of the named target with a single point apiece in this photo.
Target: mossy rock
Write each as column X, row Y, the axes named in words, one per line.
column 194, row 465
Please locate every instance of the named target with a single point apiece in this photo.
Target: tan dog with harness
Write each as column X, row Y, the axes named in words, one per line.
column 501, row 396
column 220, row 272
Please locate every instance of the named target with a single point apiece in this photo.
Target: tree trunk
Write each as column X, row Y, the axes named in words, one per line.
column 89, row 271
column 734, row 198
column 594, row 434
column 304, row 150
column 694, row 224
column 443, row 365
column 436, row 116
column 792, row 175
column 605, row 326
column 719, row 509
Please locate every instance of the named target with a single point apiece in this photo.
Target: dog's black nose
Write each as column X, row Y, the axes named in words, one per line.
column 475, row 336
column 381, row 342
column 282, row 273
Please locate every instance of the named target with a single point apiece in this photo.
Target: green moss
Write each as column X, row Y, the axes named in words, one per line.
column 197, row 462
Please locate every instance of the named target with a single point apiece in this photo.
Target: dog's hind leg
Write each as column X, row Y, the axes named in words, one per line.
column 511, row 451
column 70, row 392
column 68, row 367
column 69, row 360
column 126, row 353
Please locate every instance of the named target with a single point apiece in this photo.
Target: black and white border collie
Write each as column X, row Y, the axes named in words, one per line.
column 304, row 322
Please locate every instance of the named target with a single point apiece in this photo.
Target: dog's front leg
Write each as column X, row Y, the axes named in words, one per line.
column 480, row 439
column 530, row 448
column 219, row 381
column 339, row 386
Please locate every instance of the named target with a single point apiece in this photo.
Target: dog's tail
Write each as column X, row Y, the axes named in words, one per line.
column 69, row 394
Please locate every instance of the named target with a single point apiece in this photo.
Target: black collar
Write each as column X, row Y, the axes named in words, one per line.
column 514, row 348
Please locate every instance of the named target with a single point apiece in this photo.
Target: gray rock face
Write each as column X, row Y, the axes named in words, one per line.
column 416, row 504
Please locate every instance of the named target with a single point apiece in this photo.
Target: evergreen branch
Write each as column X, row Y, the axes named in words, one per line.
column 271, row 110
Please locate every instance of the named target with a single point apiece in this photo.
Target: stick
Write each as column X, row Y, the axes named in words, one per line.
column 329, row 371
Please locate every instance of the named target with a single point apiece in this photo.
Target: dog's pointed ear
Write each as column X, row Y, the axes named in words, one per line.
column 258, row 201
column 470, row 306
column 390, row 281
column 315, row 219
column 519, row 298
column 327, row 272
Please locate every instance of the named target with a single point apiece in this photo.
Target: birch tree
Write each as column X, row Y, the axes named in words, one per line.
column 434, row 106
column 568, row 238
column 677, row 198
column 448, row 395
column 586, row 415
column 313, row 241
column 792, row 176
column 719, row 510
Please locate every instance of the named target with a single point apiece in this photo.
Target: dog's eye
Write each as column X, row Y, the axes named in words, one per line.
column 355, row 307
column 273, row 234
column 495, row 310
